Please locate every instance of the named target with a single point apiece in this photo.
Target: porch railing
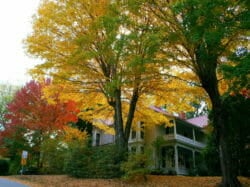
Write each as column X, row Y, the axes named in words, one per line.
column 185, row 140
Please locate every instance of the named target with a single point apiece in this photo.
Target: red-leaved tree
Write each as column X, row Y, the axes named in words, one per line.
column 35, row 118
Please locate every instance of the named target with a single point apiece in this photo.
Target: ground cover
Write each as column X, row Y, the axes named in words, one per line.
column 150, row 181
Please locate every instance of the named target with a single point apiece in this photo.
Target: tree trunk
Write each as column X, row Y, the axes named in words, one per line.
column 206, row 70
column 120, row 140
column 131, row 112
column 121, row 132
column 229, row 174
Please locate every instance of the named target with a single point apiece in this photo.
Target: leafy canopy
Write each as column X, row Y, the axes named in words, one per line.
column 93, row 50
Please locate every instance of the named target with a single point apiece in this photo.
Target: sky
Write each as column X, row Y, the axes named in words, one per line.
column 16, row 24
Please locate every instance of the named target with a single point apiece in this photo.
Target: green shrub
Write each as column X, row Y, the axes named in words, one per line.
column 92, row 162
column 4, row 167
column 157, row 172
column 137, row 165
column 53, row 157
column 106, row 163
column 78, row 161
column 15, row 166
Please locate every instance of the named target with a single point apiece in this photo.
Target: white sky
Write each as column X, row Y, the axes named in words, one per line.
column 16, row 24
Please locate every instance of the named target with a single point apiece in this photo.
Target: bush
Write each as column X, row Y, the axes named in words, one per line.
column 4, row 167
column 77, row 161
column 105, row 162
column 14, row 166
column 171, row 172
column 92, row 162
column 157, row 172
column 53, row 157
column 137, row 165
column 29, row 171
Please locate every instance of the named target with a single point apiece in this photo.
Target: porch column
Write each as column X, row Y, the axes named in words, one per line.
column 193, row 158
column 176, row 159
column 175, row 131
column 193, row 134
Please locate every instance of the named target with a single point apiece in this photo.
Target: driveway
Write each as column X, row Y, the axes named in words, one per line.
column 9, row 183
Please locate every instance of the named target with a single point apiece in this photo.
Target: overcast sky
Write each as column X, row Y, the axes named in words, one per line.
column 16, row 23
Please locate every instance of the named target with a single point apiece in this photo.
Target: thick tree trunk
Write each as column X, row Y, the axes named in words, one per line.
column 120, row 140
column 131, row 112
column 121, row 132
column 206, row 70
column 229, row 174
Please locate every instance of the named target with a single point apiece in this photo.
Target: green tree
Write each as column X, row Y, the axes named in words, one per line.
column 239, row 71
column 12, row 144
column 6, row 95
column 201, row 35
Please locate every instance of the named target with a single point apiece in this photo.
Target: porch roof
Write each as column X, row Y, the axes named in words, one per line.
column 200, row 121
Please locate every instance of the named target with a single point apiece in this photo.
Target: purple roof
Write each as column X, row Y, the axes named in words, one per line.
column 200, row 121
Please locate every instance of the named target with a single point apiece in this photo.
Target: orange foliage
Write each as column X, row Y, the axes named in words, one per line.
column 29, row 109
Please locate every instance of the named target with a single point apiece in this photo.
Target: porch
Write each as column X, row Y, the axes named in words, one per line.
column 177, row 159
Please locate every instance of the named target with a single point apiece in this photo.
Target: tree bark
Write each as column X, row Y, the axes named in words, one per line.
column 219, row 119
column 122, row 133
column 121, row 143
column 131, row 112
column 229, row 174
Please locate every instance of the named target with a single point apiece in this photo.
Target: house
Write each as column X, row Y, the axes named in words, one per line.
column 180, row 142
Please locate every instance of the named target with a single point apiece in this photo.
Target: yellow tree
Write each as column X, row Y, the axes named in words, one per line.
column 105, row 57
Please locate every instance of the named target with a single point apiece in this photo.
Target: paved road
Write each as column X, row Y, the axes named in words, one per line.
column 9, row 183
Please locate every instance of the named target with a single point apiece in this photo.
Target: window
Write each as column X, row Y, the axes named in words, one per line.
column 185, row 158
column 142, row 131
column 169, row 130
column 181, row 161
column 142, row 134
column 167, row 157
column 133, row 134
column 184, row 130
column 170, row 157
column 97, row 139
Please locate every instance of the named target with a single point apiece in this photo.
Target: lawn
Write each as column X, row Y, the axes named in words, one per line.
column 151, row 181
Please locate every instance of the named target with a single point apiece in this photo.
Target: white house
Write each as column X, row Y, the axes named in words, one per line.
column 180, row 144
